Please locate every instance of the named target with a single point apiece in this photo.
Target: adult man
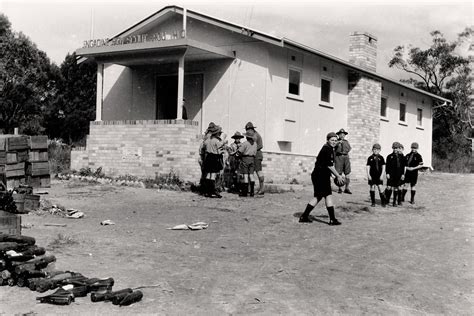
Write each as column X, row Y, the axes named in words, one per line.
column 258, row 157
column 341, row 161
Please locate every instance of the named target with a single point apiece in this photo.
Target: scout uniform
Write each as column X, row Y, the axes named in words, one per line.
column 413, row 161
column 202, row 156
column 233, row 162
column 213, row 161
column 247, row 152
column 258, row 157
column 375, row 170
column 342, row 162
column 395, row 169
column 321, row 178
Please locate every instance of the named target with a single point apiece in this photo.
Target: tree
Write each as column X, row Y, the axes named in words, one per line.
column 444, row 69
column 74, row 105
column 27, row 81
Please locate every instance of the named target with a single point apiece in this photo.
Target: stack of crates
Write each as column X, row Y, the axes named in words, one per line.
column 24, row 161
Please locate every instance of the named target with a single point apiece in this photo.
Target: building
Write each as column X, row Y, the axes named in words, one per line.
column 230, row 74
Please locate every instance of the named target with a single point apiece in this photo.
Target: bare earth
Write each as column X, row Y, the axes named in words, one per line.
column 255, row 258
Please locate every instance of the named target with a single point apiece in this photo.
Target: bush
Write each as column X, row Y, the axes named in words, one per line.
column 59, row 155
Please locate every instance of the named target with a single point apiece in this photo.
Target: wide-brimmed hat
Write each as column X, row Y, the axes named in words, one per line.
column 342, row 131
column 414, row 145
column 330, row 135
column 376, row 146
column 211, row 126
column 249, row 125
column 215, row 129
column 237, row 135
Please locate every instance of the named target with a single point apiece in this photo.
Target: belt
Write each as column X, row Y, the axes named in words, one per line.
column 341, row 154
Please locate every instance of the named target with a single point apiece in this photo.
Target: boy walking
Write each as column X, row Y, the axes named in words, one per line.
column 414, row 162
column 375, row 171
column 395, row 169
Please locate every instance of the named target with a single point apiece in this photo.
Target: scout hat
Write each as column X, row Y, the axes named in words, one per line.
column 211, row 125
column 237, row 135
column 376, row 146
column 249, row 125
column 214, row 129
column 414, row 145
column 342, row 131
column 330, row 135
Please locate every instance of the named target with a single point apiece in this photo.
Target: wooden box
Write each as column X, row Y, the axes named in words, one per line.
column 3, row 157
column 38, row 142
column 15, row 182
column 15, row 170
column 15, row 143
column 37, row 168
column 38, row 155
column 20, row 202
column 10, row 223
column 32, row 202
column 39, row 181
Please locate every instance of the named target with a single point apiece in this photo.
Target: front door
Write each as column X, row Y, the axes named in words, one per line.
column 166, row 96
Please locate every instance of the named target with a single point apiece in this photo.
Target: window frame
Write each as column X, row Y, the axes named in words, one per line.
column 419, row 118
column 300, row 90
column 385, row 117
column 404, row 121
column 330, row 94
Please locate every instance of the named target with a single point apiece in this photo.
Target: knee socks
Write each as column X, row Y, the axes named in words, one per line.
column 308, row 210
column 372, row 197
column 332, row 216
column 413, row 192
column 403, row 194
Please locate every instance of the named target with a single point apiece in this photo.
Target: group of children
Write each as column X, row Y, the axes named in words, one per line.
column 401, row 171
column 230, row 166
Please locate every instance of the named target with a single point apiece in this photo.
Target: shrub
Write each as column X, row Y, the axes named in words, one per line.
column 59, row 155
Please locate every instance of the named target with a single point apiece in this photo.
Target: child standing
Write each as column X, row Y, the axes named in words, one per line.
column 213, row 160
column 375, row 171
column 247, row 152
column 414, row 161
column 395, row 169
column 233, row 162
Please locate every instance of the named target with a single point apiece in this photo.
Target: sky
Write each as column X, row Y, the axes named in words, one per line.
column 60, row 27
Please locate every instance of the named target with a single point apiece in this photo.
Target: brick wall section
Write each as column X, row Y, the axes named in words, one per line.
column 142, row 148
column 363, row 120
column 146, row 148
column 363, row 50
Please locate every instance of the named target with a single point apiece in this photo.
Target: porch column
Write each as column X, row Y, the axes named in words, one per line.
column 180, row 87
column 99, row 98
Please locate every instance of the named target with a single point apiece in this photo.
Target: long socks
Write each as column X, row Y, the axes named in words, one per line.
column 412, row 200
column 404, row 192
column 372, row 197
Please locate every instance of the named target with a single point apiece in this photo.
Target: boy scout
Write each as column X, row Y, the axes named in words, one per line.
column 258, row 157
column 341, row 161
column 395, row 169
column 247, row 152
column 233, row 162
column 375, row 171
column 414, row 162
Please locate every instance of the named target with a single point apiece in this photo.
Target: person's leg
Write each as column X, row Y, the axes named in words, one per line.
column 372, row 195
column 338, row 165
column 388, row 193
column 382, row 196
column 404, row 190
column 395, row 196
column 413, row 192
column 304, row 218
column 245, row 186
column 212, row 185
column 400, row 195
column 261, row 181
column 252, row 184
column 347, row 172
column 330, row 207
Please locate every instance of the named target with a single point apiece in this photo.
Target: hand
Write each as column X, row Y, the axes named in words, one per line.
column 403, row 177
column 388, row 176
column 339, row 178
column 370, row 178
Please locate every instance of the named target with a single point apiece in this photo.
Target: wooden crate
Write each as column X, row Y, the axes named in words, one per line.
column 38, row 155
column 37, row 168
column 3, row 157
column 15, row 143
column 10, row 223
column 15, row 170
column 39, row 181
column 32, row 202
column 20, row 202
column 17, row 156
column 15, row 182
column 38, row 142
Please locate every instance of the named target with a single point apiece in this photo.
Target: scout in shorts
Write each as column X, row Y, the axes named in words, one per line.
column 414, row 162
column 375, row 171
column 321, row 178
column 233, row 163
column 258, row 157
column 247, row 152
column 395, row 169
column 341, row 161
column 213, row 161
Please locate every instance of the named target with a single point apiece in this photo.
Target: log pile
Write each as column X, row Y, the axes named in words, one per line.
column 23, row 264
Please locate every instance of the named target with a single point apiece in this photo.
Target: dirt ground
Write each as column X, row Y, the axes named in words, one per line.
column 255, row 258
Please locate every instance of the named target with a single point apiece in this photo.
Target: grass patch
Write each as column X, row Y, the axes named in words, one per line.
column 62, row 241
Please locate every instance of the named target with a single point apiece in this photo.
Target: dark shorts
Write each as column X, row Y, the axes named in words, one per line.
column 411, row 177
column 394, row 181
column 246, row 165
column 342, row 164
column 321, row 184
column 213, row 163
column 375, row 181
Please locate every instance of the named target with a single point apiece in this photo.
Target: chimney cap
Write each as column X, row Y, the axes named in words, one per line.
column 364, row 33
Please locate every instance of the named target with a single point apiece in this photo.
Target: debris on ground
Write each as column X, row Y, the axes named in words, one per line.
column 107, row 222
column 194, row 226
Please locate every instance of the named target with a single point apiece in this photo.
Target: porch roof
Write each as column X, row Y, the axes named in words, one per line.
column 155, row 52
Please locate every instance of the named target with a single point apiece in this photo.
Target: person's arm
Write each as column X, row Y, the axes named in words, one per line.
column 368, row 172
column 383, row 171
column 335, row 173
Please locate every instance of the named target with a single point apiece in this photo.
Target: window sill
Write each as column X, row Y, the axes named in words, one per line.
column 420, row 127
column 402, row 124
column 326, row 105
column 294, row 97
column 383, row 118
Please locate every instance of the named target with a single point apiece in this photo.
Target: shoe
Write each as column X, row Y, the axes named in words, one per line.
column 347, row 191
column 305, row 219
column 373, row 204
column 412, row 202
column 334, row 222
column 339, row 191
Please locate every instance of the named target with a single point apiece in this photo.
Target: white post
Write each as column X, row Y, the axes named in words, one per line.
column 180, row 87
column 99, row 98
column 185, row 12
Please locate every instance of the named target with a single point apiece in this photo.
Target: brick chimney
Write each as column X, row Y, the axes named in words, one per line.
column 363, row 50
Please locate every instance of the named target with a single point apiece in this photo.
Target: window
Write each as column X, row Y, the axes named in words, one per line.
column 294, row 78
column 419, row 117
column 325, row 90
column 383, row 107
column 403, row 109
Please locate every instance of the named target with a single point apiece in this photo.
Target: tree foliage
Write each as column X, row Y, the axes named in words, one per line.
column 74, row 106
column 444, row 69
column 27, row 81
